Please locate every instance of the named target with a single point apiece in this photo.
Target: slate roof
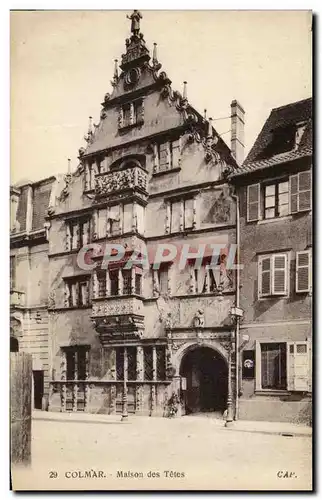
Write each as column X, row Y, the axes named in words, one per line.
column 275, row 143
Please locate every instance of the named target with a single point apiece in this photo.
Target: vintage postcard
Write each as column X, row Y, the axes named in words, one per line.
column 161, row 250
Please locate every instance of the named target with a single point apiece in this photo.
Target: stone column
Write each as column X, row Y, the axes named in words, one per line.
column 168, row 218
column 139, row 377
column 132, row 280
column 95, row 225
column 124, row 399
column 134, row 218
column 95, row 285
column 153, row 385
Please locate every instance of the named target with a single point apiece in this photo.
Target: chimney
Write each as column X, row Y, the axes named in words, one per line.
column 237, row 131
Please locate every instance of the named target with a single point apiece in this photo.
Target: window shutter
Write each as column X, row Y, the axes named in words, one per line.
column 303, row 271
column 265, row 276
column 299, row 366
column 86, row 233
column 164, row 157
column 279, row 274
column 176, row 154
column 253, row 202
column 304, row 184
column 294, row 193
column 188, row 214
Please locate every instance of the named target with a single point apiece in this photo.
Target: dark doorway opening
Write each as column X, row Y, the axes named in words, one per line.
column 14, row 344
column 38, row 388
column 206, row 375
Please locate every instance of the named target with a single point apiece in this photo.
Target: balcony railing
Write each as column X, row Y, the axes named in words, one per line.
column 17, row 299
column 121, row 180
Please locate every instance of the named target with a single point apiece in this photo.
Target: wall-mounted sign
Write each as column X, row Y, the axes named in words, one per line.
column 248, row 364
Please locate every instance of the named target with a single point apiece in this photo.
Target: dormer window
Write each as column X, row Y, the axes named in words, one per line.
column 131, row 114
column 299, row 134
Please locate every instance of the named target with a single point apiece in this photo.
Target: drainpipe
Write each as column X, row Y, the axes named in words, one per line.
column 236, row 197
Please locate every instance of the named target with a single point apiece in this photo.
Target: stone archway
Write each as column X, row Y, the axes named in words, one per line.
column 205, row 372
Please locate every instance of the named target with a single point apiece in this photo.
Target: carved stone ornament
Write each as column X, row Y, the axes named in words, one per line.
column 199, row 319
column 120, row 180
column 132, row 76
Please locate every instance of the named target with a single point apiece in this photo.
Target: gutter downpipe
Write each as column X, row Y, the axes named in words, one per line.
column 237, row 330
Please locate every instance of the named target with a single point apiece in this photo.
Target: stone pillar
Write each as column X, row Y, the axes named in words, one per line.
column 153, row 385
column 139, row 377
column 155, row 158
column 132, row 280
column 125, row 377
column 108, row 283
column 95, row 225
column 95, row 285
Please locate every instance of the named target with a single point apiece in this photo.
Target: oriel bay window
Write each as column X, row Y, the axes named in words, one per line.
column 283, row 366
column 117, row 281
column 77, row 292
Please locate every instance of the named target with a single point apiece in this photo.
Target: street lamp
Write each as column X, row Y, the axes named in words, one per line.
column 236, row 313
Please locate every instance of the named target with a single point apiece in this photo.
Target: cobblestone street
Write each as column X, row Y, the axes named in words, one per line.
column 197, row 452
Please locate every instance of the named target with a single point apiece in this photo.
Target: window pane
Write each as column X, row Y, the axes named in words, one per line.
column 270, row 190
column 138, row 284
column 163, row 280
column 270, row 201
column 160, row 352
column 188, row 213
column 273, row 366
column 70, row 365
column 301, row 348
column 126, row 282
column 283, row 210
column 269, row 213
column 148, row 363
column 131, row 363
column 175, row 216
column 119, row 363
column 283, row 187
column 283, row 199
column 114, row 282
column 81, row 364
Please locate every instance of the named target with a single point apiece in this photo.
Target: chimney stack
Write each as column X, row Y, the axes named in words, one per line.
column 237, row 131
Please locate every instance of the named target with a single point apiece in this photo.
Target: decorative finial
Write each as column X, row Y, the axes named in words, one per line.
column 69, row 165
column 90, row 125
column 185, row 91
column 155, row 55
column 135, row 22
column 205, row 114
column 209, row 134
column 116, row 70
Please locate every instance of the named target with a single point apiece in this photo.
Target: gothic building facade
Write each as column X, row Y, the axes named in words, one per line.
column 153, row 172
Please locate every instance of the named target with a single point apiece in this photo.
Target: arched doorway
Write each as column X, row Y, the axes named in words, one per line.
column 206, row 374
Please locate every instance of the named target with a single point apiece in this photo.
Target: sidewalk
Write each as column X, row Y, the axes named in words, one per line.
column 262, row 427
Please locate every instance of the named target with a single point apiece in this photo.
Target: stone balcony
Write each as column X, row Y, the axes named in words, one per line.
column 130, row 179
column 17, row 299
column 118, row 317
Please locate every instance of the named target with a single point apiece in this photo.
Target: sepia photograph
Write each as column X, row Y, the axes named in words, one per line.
column 161, row 254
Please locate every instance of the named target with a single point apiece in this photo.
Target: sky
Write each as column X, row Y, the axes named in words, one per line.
column 62, row 64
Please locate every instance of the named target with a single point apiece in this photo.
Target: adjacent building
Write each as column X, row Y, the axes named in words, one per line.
column 29, row 280
column 274, row 188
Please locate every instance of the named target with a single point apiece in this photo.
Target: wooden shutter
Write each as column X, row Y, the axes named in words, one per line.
column 294, row 181
column 188, row 214
column 164, row 157
column 176, row 154
column 175, row 216
column 303, row 271
column 304, row 191
column 279, row 274
column 102, row 223
column 253, row 202
column 264, row 276
column 298, row 363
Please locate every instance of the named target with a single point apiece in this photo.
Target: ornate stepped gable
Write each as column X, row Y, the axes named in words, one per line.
column 140, row 76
